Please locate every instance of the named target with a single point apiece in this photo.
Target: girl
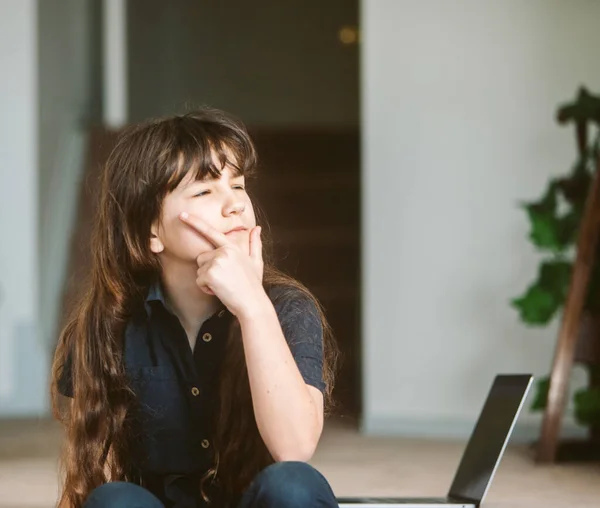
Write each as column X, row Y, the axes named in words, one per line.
column 196, row 374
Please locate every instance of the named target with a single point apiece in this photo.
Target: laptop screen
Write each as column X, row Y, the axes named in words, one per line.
column 489, row 438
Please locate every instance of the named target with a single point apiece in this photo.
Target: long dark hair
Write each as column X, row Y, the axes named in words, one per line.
column 148, row 162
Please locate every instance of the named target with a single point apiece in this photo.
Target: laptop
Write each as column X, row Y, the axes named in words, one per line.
column 481, row 456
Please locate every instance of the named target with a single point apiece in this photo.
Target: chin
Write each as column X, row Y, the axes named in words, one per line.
column 240, row 239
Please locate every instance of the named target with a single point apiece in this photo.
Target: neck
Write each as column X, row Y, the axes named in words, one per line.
column 186, row 300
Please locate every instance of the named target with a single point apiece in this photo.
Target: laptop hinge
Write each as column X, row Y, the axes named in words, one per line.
column 464, row 500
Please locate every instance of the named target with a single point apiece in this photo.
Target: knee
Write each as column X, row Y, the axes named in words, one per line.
column 293, row 485
column 121, row 495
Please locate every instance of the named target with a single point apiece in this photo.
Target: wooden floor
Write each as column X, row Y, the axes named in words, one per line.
column 354, row 465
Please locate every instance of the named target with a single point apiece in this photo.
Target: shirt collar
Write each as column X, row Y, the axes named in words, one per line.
column 157, row 294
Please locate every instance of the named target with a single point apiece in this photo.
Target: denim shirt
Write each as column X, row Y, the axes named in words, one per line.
column 176, row 388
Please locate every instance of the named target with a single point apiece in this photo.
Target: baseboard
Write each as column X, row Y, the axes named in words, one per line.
column 527, row 430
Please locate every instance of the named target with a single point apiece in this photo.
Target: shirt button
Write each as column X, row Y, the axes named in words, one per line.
column 221, row 314
column 207, row 337
column 205, row 443
column 195, row 391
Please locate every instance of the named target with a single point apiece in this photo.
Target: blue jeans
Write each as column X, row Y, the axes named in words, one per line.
column 280, row 485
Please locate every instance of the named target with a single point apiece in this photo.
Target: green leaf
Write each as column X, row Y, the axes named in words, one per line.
column 587, row 402
column 540, row 398
column 537, row 306
column 567, row 229
column 587, row 406
column 548, row 201
column 544, row 232
column 554, row 276
column 548, row 230
column 586, row 107
column 574, row 188
column 546, row 295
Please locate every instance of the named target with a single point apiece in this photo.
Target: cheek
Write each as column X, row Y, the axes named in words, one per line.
column 191, row 242
column 250, row 215
column 181, row 240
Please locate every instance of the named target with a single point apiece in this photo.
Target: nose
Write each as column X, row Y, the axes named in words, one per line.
column 234, row 206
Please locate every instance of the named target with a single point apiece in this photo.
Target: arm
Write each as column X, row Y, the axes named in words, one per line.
column 288, row 411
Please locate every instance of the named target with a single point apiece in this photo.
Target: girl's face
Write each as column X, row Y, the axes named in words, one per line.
column 222, row 203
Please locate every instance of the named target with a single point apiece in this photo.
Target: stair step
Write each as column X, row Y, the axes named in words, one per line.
column 297, row 210
column 315, row 236
column 285, row 182
column 298, row 151
column 328, row 294
column 331, row 265
column 344, row 317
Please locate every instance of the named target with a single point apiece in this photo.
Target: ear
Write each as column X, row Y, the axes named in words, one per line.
column 156, row 244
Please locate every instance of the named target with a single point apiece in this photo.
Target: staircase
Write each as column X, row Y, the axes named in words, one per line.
column 308, row 189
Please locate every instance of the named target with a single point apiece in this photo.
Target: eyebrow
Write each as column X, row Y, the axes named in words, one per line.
column 212, row 179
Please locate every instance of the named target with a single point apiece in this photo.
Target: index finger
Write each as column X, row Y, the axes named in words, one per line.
column 215, row 237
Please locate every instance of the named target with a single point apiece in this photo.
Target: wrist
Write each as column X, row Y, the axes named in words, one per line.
column 258, row 307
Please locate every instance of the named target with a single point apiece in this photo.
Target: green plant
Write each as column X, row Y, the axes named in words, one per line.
column 554, row 223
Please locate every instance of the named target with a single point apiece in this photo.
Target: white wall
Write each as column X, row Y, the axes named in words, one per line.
column 23, row 356
column 115, row 65
column 66, row 93
column 64, row 78
column 45, row 102
column 458, row 108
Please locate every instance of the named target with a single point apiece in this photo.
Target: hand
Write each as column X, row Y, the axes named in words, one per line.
column 231, row 274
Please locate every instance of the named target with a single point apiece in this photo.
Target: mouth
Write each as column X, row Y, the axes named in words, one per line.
column 236, row 230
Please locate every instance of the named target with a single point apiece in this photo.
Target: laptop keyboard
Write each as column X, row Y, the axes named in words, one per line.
column 394, row 500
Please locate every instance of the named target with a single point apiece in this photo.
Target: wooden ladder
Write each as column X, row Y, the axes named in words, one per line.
column 587, row 240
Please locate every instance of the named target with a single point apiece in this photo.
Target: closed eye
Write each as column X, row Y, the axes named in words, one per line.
column 202, row 193
column 239, row 187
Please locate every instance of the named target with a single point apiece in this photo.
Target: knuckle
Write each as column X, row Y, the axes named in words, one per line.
column 222, row 256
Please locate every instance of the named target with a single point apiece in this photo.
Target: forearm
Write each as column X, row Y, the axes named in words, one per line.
column 286, row 413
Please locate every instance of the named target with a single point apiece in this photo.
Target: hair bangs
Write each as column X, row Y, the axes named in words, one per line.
column 206, row 148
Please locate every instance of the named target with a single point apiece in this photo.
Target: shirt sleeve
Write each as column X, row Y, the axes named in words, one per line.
column 301, row 325
column 65, row 379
